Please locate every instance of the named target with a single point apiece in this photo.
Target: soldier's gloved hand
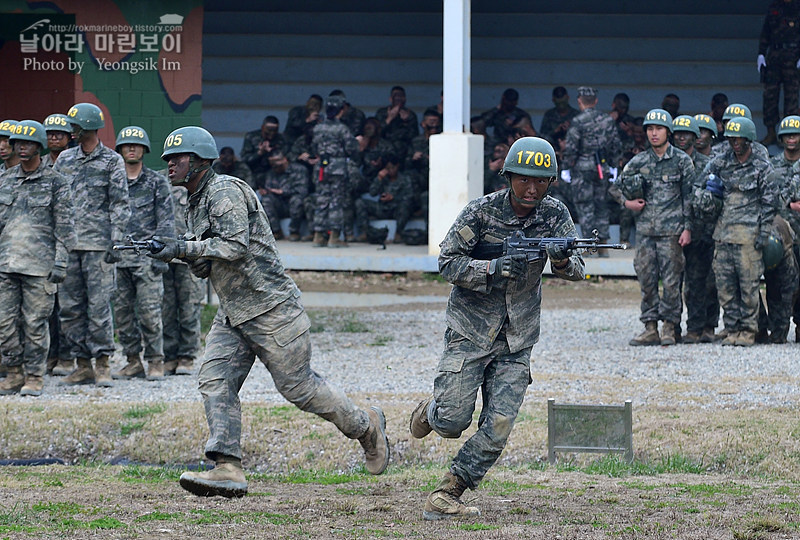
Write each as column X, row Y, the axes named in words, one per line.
column 508, row 266
column 173, row 249
column 159, row 267
column 761, row 62
column 762, row 239
column 201, row 268
column 557, row 253
column 111, row 256
column 714, row 186
column 58, row 273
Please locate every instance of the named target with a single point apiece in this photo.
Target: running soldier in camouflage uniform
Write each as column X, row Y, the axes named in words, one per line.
column 183, row 301
column 657, row 185
column 395, row 194
column 58, row 137
column 492, row 320
column 285, row 189
column 744, row 196
column 36, row 234
column 335, row 145
column 702, row 306
column 100, row 200
column 779, row 60
column 229, row 240
column 591, row 134
column 139, row 292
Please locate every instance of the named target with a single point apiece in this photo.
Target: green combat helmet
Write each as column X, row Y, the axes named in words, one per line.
column 192, row 140
column 658, row 117
column 57, row 122
column 741, row 127
column 789, row 125
column 86, row 115
column 735, row 110
column 29, row 130
column 7, row 128
column 531, row 156
column 133, row 135
column 772, row 252
column 686, row 123
column 632, row 187
column 704, row 121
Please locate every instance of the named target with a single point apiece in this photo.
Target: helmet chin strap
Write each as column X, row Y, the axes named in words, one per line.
column 194, row 170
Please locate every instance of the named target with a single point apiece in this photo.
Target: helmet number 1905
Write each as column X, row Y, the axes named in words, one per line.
column 539, row 158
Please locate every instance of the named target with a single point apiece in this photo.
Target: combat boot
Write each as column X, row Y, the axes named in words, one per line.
column 294, row 237
column 185, row 365
column 668, row 333
column 418, row 425
column 33, row 386
column 170, row 366
column 692, row 337
column 278, row 235
column 102, row 372
column 778, row 337
column 320, row 240
column 746, row 338
column 14, row 381
column 334, row 241
column 761, row 336
column 730, row 338
column 721, row 335
column 225, row 480
column 83, row 374
column 64, row 367
column 375, row 443
column 51, row 363
column 3, row 371
column 707, row 336
column 155, row 370
column 445, row 501
column 603, row 253
column 133, row 369
column 648, row 337
column 361, row 238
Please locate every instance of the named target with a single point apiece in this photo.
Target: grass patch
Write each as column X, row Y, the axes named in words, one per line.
column 431, row 276
column 476, row 527
column 351, row 324
column 219, row 517
column 136, row 474
column 615, row 466
column 129, row 427
column 305, row 476
column 381, row 341
column 143, row 411
column 159, row 516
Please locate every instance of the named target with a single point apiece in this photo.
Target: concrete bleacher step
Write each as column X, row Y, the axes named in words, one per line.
column 390, row 224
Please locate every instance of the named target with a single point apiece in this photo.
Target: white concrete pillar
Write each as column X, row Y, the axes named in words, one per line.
column 456, row 156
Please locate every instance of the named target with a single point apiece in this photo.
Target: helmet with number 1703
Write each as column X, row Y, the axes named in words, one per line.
column 190, row 140
column 133, row 135
column 86, row 115
column 741, row 127
column 737, row 110
column 531, row 156
column 658, row 117
column 789, row 125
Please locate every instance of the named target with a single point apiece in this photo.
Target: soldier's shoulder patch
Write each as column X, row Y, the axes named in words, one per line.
column 466, row 233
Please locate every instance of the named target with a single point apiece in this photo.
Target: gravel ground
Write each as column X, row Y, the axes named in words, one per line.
column 582, row 356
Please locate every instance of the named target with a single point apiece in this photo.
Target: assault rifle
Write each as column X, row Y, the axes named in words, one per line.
column 153, row 246
column 536, row 248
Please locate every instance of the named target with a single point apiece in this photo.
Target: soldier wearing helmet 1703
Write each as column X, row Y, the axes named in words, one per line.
column 36, row 234
column 592, row 146
column 137, row 297
column 7, row 154
column 657, row 187
column 58, row 137
column 702, row 306
column 492, row 319
column 229, row 240
column 100, row 199
column 741, row 190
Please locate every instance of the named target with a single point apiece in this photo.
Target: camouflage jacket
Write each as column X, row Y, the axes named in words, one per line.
column 749, row 201
column 239, row 170
column 790, row 194
column 333, row 143
column 375, row 153
column 152, row 213
column 481, row 305
column 401, row 188
column 37, row 227
column 589, row 132
column 421, row 167
column 259, row 163
column 293, row 181
column 296, row 124
column 781, row 26
column 722, row 147
column 702, row 225
column 399, row 132
column 99, row 196
column 668, row 189
column 551, row 120
column 227, row 225
column 502, row 122
column 354, row 120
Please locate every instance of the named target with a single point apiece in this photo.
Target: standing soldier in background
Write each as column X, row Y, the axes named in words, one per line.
column 139, row 291
column 6, row 150
column 592, row 148
column 36, row 234
column 230, row 242
column 779, row 61
column 700, row 291
column 657, row 186
column 100, row 199
column 335, row 145
column 743, row 194
column 182, row 307
column 58, row 137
